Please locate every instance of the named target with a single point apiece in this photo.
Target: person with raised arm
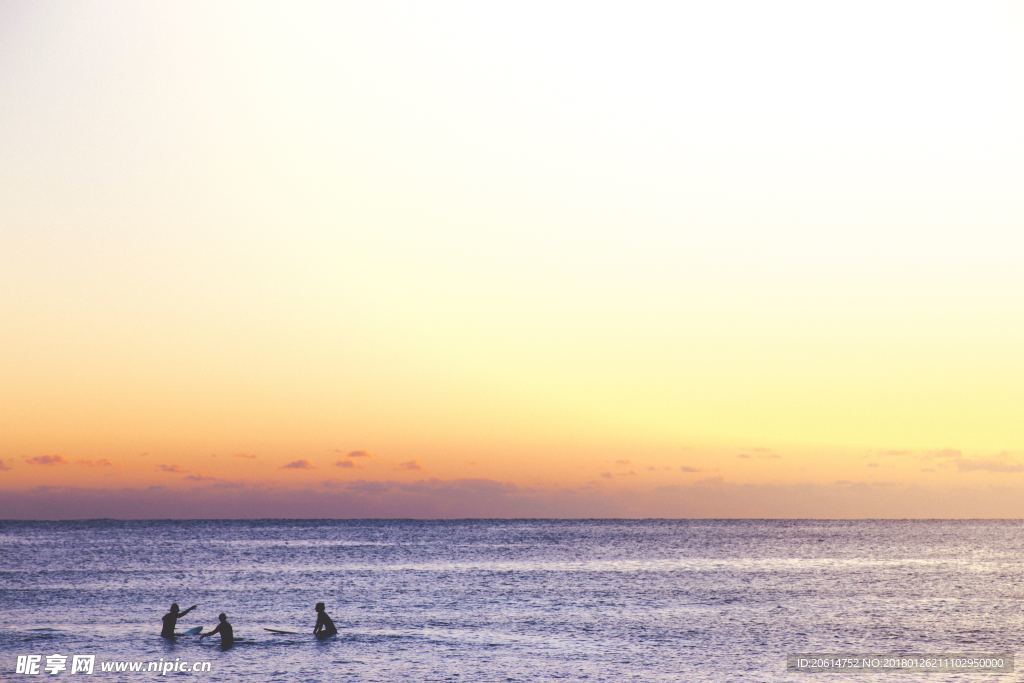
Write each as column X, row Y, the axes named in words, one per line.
column 171, row 619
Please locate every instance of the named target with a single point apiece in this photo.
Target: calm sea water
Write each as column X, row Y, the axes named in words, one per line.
column 513, row 600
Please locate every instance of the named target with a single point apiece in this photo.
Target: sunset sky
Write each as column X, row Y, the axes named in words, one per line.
column 362, row 259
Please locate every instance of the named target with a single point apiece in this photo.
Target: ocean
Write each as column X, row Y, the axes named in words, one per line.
column 598, row 600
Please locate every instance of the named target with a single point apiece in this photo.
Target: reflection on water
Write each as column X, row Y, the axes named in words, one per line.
column 486, row 600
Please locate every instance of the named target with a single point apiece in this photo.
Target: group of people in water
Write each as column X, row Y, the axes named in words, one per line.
column 324, row 628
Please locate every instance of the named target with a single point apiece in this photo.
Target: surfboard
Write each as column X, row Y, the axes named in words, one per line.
column 195, row 631
column 287, row 633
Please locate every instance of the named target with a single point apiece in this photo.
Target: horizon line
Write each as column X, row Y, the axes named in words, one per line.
column 513, row 519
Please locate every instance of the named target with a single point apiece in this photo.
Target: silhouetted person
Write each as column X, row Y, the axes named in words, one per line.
column 324, row 626
column 227, row 634
column 171, row 619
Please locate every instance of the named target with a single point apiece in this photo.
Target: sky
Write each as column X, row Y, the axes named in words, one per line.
column 462, row 259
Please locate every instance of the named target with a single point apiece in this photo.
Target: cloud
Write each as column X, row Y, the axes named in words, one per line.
column 200, row 477
column 872, row 464
column 760, row 454
column 482, row 498
column 4, row 466
column 607, row 475
column 298, row 465
column 46, row 460
column 368, row 487
column 948, row 456
column 990, row 465
column 174, row 469
column 246, row 456
column 347, row 464
column 622, row 462
column 409, row 465
column 358, row 454
column 101, row 462
column 688, row 469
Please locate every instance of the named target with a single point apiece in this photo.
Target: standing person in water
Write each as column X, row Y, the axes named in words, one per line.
column 171, row 619
column 324, row 626
column 227, row 634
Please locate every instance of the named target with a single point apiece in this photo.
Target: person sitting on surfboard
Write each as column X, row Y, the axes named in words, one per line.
column 324, row 626
column 227, row 634
column 171, row 619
